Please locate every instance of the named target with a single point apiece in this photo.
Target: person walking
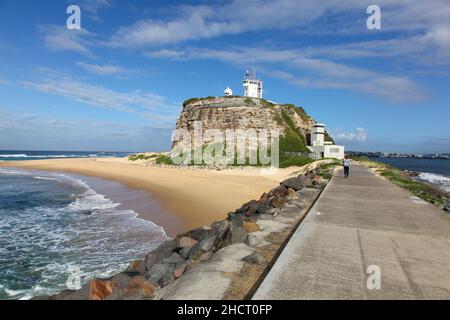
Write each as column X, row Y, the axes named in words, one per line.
column 346, row 164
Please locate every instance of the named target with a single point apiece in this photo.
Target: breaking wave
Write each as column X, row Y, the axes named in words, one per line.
column 441, row 181
column 50, row 222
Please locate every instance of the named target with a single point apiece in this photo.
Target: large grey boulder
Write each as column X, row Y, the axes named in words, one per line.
column 174, row 258
column 296, row 183
column 166, row 280
column 253, row 240
column 199, row 233
column 202, row 247
column 236, row 233
column 220, row 228
column 184, row 252
column 163, row 251
column 159, row 273
column 207, row 244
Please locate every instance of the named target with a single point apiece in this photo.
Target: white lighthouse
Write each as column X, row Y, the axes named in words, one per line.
column 321, row 148
column 228, row 92
column 318, row 135
column 253, row 87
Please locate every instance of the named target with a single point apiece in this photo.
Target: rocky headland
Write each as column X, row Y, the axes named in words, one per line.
column 239, row 113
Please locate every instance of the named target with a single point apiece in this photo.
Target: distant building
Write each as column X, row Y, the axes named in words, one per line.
column 228, row 92
column 253, row 87
column 322, row 148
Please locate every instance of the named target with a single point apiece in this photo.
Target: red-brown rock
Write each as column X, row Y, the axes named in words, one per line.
column 291, row 194
column 278, row 202
column 250, row 226
column 251, row 210
column 138, row 286
column 280, row 191
column 100, row 289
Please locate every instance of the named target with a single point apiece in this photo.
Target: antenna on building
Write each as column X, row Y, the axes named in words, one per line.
column 253, row 69
column 253, row 87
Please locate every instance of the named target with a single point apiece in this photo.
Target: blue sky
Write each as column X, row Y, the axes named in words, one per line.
column 119, row 82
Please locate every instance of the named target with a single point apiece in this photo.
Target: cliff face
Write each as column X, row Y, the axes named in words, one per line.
column 248, row 113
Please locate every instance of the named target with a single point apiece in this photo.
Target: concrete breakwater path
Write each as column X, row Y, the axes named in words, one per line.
column 359, row 226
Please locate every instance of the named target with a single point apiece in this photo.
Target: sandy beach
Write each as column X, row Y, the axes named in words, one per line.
column 195, row 197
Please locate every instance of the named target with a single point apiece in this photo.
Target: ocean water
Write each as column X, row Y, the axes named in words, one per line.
column 51, row 222
column 433, row 171
column 14, row 155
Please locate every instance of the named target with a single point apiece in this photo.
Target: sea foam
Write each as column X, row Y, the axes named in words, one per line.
column 439, row 180
column 59, row 221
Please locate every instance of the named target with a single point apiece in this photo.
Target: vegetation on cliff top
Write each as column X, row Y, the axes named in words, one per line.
column 298, row 110
column 191, row 100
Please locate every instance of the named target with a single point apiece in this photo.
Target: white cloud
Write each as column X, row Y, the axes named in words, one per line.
column 239, row 16
column 143, row 104
column 102, row 70
column 59, row 38
column 426, row 40
column 304, row 71
column 165, row 53
column 431, row 47
column 92, row 8
column 359, row 135
column 192, row 24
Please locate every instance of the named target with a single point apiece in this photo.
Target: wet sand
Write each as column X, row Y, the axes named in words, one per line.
column 140, row 201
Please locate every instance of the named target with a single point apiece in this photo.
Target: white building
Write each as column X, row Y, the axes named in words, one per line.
column 228, row 92
column 322, row 148
column 253, row 87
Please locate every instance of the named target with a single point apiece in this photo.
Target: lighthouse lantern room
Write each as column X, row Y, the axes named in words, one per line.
column 253, row 87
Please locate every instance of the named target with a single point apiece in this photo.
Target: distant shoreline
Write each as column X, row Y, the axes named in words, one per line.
column 374, row 155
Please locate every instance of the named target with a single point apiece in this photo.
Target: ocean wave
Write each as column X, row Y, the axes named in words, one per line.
column 46, row 156
column 13, row 155
column 92, row 201
column 51, row 176
column 46, row 178
column 49, row 156
column 89, row 232
column 38, row 156
column 439, row 180
column 12, row 172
